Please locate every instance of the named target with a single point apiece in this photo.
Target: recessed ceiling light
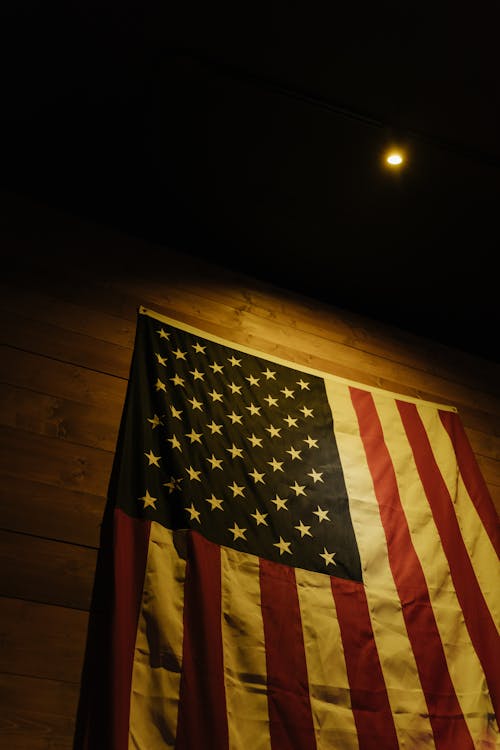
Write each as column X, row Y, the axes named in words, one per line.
column 394, row 158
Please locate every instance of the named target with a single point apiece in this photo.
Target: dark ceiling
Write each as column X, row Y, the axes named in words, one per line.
column 252, row 135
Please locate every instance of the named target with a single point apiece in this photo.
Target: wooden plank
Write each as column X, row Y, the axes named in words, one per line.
column 494, row 491
column 30, row 302
column 50, row 511
column 296, row 313
column 46, row 571
column 293, row 310
column 82, row 385
column 238, row 290
column 52, row 461
column 37, row 714
column 267, row 336
column 490, row 469
column 42, row 640
column 64, row 345
column 341, row 361
column 95, row 425
column 300, row 315
column 484, row 444
column 40, row 373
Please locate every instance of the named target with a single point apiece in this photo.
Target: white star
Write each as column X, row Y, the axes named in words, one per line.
column 235, row 362
column 235, row 388
column 252, row 380
column 304, row 530
column 257, row 476
column 155, row 421
column 195, row 404
column 199, row 349
column 271, row 401
column 269, row 374
column 178, row 354
column 163, row 334
column 215, row 502
column 237, row 532
column 306, row 412
column 176, row 413
column 322, row 514
column 173, row 484
column 215, row 463
column 216, row 368
column 310, row 442
column 294, row 454
column 194, row 437
column 236, row 489
column 316, row 476
column 287, row 393
column 175, row 442
column 193, row 474
column 153, row 459
column 298, row 488
column 291, row 421
column 161, row 360
column 235, row 452
column 148, row 500
column 176, row 380
column 280, row 503
column 196, row 374
column 256, row 442
column 160, row 386
column 215, row 428
column 194, row 515
column 303, row 384
column 253, row 409
column 283, row 546
column 235, row 418
column 259, row 517
column 277, row 465
column 328, row 556
column 215, row 396
column 273, row 431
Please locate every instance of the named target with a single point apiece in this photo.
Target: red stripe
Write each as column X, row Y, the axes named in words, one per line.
column 477, row 616
column 202, row 718
column 130, row 551
column 290, row 718
column 473, row 479
column 448, row 724
column 369, row 700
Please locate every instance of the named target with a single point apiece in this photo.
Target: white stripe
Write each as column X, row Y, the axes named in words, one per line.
column 245, row 673
column 333, row 720
column 404, row 690
column 464, row 666
column 158, row 650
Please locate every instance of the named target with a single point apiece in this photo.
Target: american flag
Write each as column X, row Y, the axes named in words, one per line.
column 300, row 562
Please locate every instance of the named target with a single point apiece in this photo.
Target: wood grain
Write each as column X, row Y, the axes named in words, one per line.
column 50, row 511
column 94, row 425
column 49, row 460
column 42, row 640
column 46, row 571
column 37, row 714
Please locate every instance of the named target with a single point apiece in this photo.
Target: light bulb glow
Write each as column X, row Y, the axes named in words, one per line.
column 394, row 159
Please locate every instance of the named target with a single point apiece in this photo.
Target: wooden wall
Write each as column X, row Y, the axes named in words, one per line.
column 68, row 300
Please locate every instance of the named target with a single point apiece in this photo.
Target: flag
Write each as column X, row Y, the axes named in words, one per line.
column 300, row 562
